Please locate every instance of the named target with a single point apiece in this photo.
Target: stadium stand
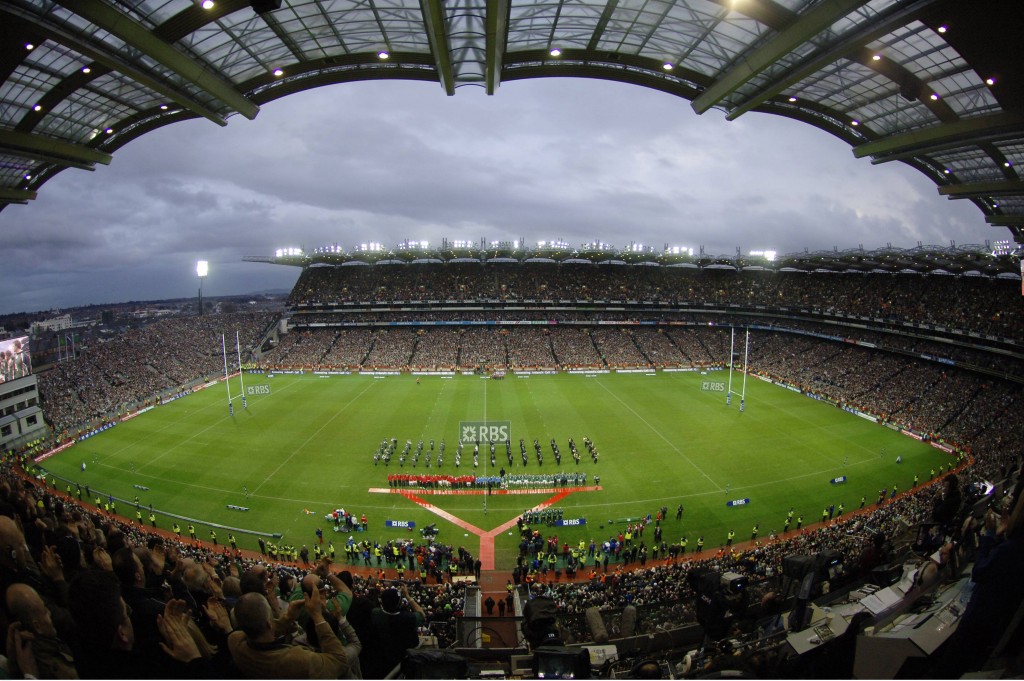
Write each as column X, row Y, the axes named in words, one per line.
column 929, row 83
column 927, row 379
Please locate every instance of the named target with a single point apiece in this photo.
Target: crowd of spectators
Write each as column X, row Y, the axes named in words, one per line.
column 88, row 596
column 109, row 377
column 348, row 349
column 436, row 349
column 305, row 348
column 907, row 338
column 390, row 349
column 574, row 348
column 483, row 347
column 79, row 565
column 978, row 304
column 529, row 348
column 619, row 344
column 526, row 347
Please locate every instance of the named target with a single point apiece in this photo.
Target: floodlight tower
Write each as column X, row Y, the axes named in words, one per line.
column 202, row 269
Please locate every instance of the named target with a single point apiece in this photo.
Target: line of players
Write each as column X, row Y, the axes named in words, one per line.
column 503, row 480
column 386, row 451
column 546, row 516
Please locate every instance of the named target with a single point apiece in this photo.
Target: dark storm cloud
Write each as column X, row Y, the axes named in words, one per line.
column 572, row 159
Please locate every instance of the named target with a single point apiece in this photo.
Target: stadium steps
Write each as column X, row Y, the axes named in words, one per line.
column 498, row 632
column 412, row 353
column 597, row 348
column 709, row 356
column 964, row 405
column 330, row 346
column 369, row 350
column 636, row 344
column 672, row 341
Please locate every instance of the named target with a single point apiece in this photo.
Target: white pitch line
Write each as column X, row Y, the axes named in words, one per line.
column 190, row 438
column 654, row 430
column 313, row 435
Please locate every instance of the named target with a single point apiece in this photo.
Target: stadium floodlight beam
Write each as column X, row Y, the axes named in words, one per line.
column 202, row 269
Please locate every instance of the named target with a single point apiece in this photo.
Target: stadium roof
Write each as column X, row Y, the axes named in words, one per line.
column 931, row 83
column 971, row 259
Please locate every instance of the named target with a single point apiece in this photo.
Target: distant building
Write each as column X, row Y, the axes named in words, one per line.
column 53, row 324
column 21, row 418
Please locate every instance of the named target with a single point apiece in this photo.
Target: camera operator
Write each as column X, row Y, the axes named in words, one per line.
column 540, row 626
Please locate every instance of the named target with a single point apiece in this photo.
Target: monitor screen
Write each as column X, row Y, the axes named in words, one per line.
column 15, row 360
column 561, row 663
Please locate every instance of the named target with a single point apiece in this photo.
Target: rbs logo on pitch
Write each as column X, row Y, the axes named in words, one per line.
column 485, row 431
column 713, row 386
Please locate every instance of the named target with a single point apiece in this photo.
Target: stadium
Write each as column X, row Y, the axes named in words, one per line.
column 561, row 459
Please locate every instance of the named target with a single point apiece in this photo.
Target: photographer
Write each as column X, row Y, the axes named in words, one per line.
column 258, row 653
column 335, row 598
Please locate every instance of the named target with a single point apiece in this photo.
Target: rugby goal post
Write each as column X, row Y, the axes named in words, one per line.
column 732, row 356
column 227, row 376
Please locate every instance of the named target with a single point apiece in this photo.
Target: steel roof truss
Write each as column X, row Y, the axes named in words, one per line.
column 138, row 37
column 806, row 27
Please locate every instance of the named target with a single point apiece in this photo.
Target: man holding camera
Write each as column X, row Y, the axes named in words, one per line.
column 258, row 653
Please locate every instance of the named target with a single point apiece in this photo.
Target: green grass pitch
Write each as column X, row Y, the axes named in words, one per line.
column 308, row 446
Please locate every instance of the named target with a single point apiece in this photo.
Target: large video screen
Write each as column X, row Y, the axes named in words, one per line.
column 15, row 360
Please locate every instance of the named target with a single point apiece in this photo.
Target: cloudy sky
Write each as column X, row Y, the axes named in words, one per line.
column 579, row 160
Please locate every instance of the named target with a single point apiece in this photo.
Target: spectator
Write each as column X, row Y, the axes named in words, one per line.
column 947, row 503
column 53, row 658
column 106, row 638
column 997, row 594
column 395, row 630
column 259, row 653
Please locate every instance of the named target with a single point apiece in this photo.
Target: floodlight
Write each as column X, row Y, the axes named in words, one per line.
column 202, row 269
